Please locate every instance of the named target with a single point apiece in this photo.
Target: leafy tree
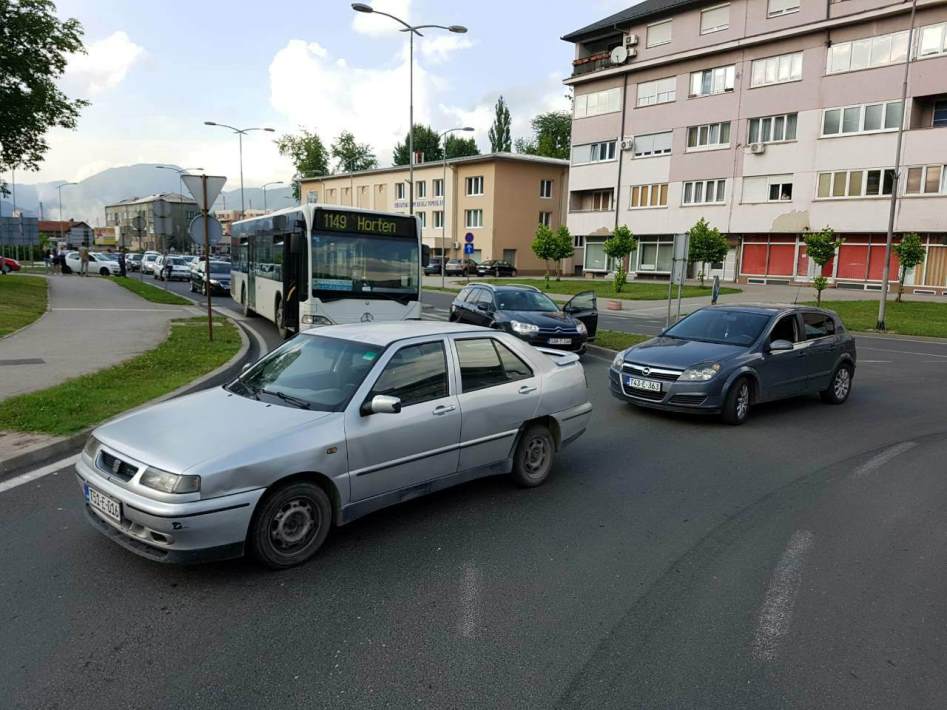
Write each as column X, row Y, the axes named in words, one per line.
column 426, row 141
column 457, row 147
column 910, row 253
column 500, row 139
column 34, row 48
column 545, row 246
column 820, row 248
column 552, row 136
column 565, row 248
column 352, row 156
column 707, row 245
column 308, row 153
column 618, row 247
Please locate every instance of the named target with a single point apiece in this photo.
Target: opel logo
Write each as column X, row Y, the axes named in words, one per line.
column 367, row 317
column 645, row 370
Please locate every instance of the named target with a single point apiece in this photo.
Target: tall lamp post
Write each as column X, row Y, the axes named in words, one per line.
column 467, row 129
column 412, row 30
column 241, row 132
column 266, row 185
column 59, row 190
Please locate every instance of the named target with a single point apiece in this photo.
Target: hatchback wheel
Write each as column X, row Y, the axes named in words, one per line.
column 290, row 525
column 840, row 386
column 104, row 272
column 532, row 460
column 736, row 407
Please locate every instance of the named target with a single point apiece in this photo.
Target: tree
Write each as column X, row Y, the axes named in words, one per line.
column 820, row 248
column 910, row 253
column 457, row 147
column 34, row 48
column 552, row 136
column 618, row 247
column 707, row 245
column 426, row 141
column 500, row 139
column 564, row 248
column 545, row 246
column 308, row 153
column 351, row 156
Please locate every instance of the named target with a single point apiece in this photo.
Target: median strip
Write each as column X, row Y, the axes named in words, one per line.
column 151, row 293
column 23, row 300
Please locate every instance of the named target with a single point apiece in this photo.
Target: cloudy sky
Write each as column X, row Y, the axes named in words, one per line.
column 155, row 71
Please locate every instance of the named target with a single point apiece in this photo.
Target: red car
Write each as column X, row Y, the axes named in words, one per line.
column 8, row 264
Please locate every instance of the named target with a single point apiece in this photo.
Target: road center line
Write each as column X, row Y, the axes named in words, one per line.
column 776, row 612
column 38, row 473
column 470, row 604
column 884, row 457
column 900, row 352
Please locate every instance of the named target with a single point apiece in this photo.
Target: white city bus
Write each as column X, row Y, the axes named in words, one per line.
column 320, row 265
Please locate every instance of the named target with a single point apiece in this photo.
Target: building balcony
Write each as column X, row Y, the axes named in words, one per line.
column 591, row 64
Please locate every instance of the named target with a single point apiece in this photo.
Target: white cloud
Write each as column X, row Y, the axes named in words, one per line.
column 372, row 24
column 438, row 49
column 106, row 62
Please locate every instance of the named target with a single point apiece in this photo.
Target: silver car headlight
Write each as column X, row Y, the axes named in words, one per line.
column 170, row 482
column 91, row 448
column 580, row 326
column 524, row 328
column 316, row 320
column 700, row 373
column 619, row 361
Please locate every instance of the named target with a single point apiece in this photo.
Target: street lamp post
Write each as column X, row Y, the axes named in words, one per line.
column 468, row 129
column 241, row 132
column 180, row 172
column 265, row 185
column 412, row 30
column 59, row 190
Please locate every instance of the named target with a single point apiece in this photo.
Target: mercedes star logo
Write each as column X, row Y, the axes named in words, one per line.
column 116, row 464
column 367, row 317
column 645, row 370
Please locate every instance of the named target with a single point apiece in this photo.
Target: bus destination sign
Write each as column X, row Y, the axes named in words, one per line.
column 365, row 223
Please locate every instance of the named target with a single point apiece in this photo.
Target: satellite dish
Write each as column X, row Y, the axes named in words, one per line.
column 619, row 55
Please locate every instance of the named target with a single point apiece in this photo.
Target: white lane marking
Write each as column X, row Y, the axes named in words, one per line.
column 776, row 612
column 898, row 339
column 470, row 604
column 901, row 352
column 38, row 473
column 884, row 457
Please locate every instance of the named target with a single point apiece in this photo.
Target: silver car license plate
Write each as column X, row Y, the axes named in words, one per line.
column 560, row 341
column 640, row 384
column 106, row 505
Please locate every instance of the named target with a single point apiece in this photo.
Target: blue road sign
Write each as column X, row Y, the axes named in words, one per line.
column 468, row 237
column 468, row 248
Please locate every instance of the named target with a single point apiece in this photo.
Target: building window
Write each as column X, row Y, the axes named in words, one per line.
column 855, row 183
column 767, row 188
column 438, row 187
column 659, row 33
column 545, row 218
column 591, row 153
column 714, row 19
column 578, row 241
column 399, row 191
column 776, row 70
column 782, row 7
column 933, row 40
column 868, row 118
column 474, row 185
column 545, row 188
column 772, row 129
column 438, row 219
column 652, row 144
column 645, row 196
column 712, row 81
column 422, row 218
column 940, row 113
column 420, row 188
column 867, row 53
column 473, row 218
column 780, row 192
column 708, row 136
column 597, row 102
column 662, row 91
column 926, row 180
column 702, row 192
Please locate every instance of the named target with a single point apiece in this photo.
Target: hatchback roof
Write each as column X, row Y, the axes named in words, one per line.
column 766, row 307
column 388, row 332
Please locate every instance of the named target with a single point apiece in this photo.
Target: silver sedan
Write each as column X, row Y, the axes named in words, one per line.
column 332, row 425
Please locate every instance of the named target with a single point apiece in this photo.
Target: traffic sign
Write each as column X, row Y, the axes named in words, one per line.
column 196, row 230
column 469, row 248
column 468, row 237
column 215, row 183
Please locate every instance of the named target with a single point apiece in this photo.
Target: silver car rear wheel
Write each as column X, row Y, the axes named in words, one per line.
column 532, row 460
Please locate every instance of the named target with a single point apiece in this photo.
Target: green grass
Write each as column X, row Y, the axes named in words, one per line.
column 633, row 291
column 907, row 318
column 87, row 400
column 151, row 293
column 22, row 300
column 617, row 340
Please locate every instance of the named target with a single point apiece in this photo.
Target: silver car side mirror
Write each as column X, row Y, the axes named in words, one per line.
column 780, row 346
column 382, row 404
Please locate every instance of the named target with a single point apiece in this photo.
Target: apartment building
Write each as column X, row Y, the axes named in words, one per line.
column 768, row 118
column 498, row 198
column 165, row 219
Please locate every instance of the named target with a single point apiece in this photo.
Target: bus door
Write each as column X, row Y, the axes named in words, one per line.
column 251, row 272
column 295, row 272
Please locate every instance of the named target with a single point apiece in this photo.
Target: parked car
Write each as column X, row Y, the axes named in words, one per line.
column 494, row 267
column 529, row 314
column 336, row 423
column 8, row 264
column 725, row 359
column 219, row 277
column 98, row 264
column 460, row 267
column 433, row 266
column 148, row 260
column 172, row 268
column 133, row 262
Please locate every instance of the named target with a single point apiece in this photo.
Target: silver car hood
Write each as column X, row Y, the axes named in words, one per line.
column 200, row 428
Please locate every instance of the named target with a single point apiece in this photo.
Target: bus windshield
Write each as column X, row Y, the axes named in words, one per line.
column 369, row 266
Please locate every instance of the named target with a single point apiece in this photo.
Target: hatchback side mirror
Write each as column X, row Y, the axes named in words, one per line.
column 381, row 404
column 780, row 346
column 484, row 307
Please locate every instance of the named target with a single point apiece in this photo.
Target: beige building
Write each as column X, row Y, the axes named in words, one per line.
column 499, row 198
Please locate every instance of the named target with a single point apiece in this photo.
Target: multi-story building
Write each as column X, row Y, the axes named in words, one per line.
column 768, row 118
column 165, row 220
column 73, row 233
column 498, row 198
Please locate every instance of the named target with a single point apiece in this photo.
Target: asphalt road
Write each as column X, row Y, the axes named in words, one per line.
column 797, row 561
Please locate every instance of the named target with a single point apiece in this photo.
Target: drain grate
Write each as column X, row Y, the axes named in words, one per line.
column 24, row 361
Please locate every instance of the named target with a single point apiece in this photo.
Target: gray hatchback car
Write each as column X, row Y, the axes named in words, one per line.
column 724, row 359
column 334, row 424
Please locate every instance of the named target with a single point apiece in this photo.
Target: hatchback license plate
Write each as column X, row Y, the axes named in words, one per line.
column 106, row 505
column 644, row 384
column 560, row 341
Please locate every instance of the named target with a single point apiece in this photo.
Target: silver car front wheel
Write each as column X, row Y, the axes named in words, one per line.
column 290, row 525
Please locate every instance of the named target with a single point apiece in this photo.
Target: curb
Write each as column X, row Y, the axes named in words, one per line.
column 599, row 351
column 74, row 442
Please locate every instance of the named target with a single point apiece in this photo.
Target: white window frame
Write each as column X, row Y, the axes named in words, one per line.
column 717, row 27
column 665, row 92
column 771, row 128
column 726, row 74
column 941, row 29
column 862, row 113
column 545, row 218
column 438, row 219
column 545, row 189
column 600, row 152
column 437, row 187
column 645, row 193
column 838, row 58
column 652, row 153
column 942, row 183
column 401, row 190
column 420, row 188
column 863, row 193
column 469, row 221
column 768, row 71
column 707, row 131
column 784, row 7
column 702, row 189
column 779, row 184
column 474, row 182
column 422, row 218
column 660, row 41
column 597, row 103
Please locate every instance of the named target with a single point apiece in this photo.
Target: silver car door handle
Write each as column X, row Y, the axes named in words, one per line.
column 443, row 409
column 526, row 389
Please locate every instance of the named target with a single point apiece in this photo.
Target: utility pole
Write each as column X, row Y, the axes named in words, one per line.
column 210, row 317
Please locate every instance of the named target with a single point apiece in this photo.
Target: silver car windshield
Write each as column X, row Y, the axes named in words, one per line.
column 309, row 372
column 712, row 325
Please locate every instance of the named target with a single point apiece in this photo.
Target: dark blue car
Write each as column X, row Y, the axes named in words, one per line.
column 724, row 359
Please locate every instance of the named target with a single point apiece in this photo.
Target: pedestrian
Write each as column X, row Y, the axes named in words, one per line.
column 121, row 263
column 84, row 260
column 48, row 260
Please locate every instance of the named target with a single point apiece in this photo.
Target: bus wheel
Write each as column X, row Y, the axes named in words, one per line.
column 281, row 328
column 243, row 302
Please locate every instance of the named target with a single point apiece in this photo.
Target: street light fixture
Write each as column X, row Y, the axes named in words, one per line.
column 412, row 30
column 180, row 172
column 59, row 190
column 467, row 129
column 241, row 132
column 265, row 185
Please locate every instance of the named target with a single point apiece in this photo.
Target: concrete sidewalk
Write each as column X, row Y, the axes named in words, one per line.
column 91, row 324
